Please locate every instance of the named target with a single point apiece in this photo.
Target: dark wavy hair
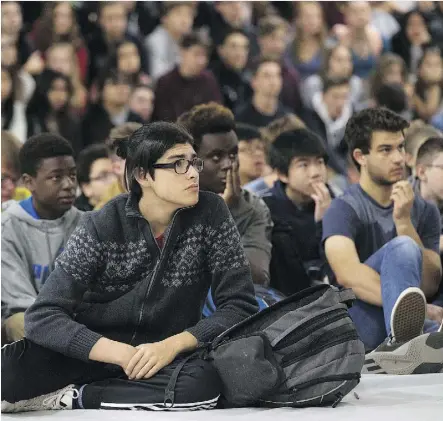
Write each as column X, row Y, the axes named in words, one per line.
column 145, row 146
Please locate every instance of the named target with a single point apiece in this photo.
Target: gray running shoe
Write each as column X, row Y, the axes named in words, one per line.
column 423, row 354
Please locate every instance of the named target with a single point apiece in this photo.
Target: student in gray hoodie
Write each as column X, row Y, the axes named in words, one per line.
column 35, row 230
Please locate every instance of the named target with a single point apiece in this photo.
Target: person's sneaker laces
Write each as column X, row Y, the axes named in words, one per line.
column 60, row 399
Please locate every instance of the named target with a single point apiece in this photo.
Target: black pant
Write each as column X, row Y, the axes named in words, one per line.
column 29, row 370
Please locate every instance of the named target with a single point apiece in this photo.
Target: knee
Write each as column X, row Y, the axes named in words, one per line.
column 405, row 248
column 203, row 384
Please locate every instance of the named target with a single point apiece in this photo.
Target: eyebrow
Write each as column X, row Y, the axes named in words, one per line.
column 60, row 170
column 390, row 146
column 181, row 156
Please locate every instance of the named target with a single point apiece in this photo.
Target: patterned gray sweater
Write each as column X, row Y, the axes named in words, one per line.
column 112, row 280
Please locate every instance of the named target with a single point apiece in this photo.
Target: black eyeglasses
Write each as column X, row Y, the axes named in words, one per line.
column 181, row 166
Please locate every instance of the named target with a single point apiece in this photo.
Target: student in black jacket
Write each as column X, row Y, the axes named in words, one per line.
column 110, row 111
column 297, row 202
column 122, row 308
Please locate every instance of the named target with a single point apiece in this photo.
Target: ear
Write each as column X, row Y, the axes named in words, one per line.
column 282, row 177
column 86, row 189
column 144, row 179
column 409, row 160
column 29, row 182
column 420, row 171
column 359, row 157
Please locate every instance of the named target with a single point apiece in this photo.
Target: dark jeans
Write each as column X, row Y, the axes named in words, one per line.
column 29, row 370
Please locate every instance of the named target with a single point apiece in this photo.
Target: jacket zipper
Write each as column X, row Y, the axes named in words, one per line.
column 154, row 274
column 295, row 356
column 311, row 326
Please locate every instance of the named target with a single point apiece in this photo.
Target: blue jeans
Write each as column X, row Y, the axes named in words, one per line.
column 399, row 263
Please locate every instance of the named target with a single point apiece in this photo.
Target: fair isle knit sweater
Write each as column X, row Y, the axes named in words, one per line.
column 112, row 280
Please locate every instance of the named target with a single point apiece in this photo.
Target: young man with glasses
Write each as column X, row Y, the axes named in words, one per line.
column 117, row 319
column 382, row 241
column 35, row 230
column 251, row 153
column 95, row 173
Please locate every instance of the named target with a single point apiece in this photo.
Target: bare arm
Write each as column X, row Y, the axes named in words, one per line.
column 431, row 272
column 350, row 272
column 427, row 108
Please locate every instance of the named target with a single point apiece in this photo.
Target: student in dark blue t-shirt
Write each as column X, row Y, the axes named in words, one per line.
column 380, row 239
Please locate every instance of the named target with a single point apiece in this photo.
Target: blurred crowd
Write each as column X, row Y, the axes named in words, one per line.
column 93, row 72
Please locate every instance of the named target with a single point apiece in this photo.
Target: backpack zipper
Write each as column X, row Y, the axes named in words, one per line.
column 295, row 356
column 311, row 326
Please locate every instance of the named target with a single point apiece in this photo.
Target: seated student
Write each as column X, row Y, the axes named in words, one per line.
column 331, row 111
column 230, row 68
column 297, row 202
column 428, row 184
column 265, row 105
column 189, row 83
column 163, row 44
column 122, row 307
column 95, row 175
column 251, row 153
column 213, row 129
column 379, row 238
column 393, row 96
column 417, row 133
column 263, row 184
column 111, row 110
column 116, row 137
column 11, row 170
column 141, row 104
column 35, row 230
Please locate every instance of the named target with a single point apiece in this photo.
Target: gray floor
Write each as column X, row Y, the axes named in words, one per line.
column 393, row 398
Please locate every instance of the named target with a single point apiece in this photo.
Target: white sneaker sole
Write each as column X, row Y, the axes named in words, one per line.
column 423, row 354
column 408, row 315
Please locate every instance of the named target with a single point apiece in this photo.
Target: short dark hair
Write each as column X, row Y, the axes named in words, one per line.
column 392, row 96
column 329, row 83
column 86, row 159
column 426, row 153
column 198, row 38
column 113, row 76
column 262, row 60
column 247, row 132
column 233, row 31
column 145, row 146
column 361, row 125
column 39, row 147
column 293, row 144
column 207, row 118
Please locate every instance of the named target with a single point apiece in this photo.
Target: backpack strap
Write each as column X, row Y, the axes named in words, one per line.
column 169, row 400
column 346, row 296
